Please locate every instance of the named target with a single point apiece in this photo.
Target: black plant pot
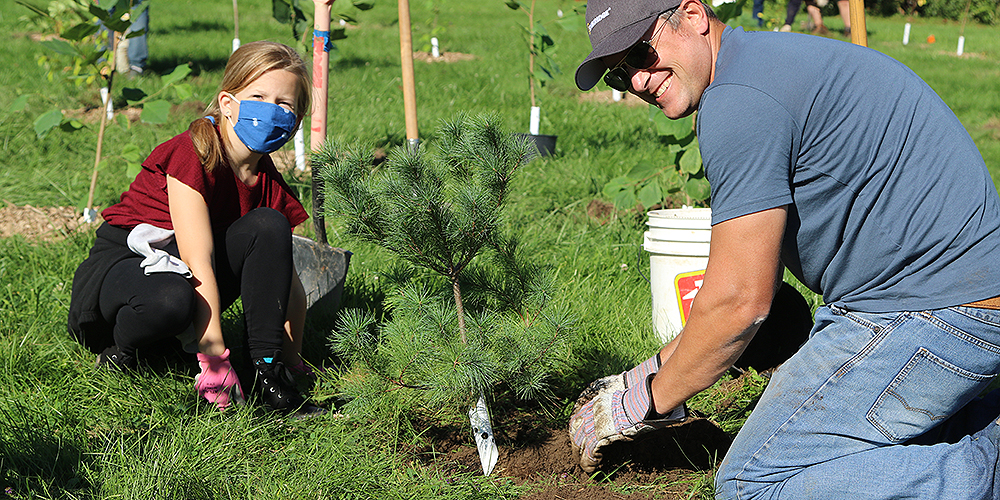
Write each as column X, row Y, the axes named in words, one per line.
column 546, row 144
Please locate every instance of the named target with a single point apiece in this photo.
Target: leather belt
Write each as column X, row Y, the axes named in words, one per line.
column 993, row 303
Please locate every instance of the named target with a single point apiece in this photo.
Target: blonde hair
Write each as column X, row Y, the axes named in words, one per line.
column 247, row 64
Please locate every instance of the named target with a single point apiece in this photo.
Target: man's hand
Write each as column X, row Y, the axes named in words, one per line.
column 619, row 382
column 616, row 414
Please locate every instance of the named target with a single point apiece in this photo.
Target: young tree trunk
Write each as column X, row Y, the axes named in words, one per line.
column 461, row 310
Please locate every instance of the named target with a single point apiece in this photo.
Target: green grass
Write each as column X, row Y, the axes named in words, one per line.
column 68, row 433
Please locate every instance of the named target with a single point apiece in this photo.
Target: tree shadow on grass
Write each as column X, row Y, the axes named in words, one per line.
column 35, row 459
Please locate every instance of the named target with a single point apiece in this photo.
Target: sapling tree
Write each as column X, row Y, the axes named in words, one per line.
column 470, row 314
column 91, row 50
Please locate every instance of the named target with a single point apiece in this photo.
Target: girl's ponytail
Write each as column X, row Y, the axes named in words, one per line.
column 206, row 141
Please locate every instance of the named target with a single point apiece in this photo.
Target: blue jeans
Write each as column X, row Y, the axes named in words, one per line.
column 876, row 406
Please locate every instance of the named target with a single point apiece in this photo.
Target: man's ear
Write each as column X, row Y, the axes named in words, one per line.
column 694, row 12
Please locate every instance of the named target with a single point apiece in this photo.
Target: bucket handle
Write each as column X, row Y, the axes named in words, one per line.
column 638, row 264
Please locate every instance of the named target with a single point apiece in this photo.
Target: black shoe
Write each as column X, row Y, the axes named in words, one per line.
column 276, row 387
column 115, row 359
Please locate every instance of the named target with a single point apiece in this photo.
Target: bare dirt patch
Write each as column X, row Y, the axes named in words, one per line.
column 445, row 57
column 39, row 223
column 662, row 464
column 92, row 114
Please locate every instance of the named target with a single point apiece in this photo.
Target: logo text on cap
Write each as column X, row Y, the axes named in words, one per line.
column 600, row 17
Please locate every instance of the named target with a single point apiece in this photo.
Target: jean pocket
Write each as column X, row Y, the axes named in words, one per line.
column 926, row 391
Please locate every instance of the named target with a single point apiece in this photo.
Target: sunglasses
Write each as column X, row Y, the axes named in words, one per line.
column 642, row 55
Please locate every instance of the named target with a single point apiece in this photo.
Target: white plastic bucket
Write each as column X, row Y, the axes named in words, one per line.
column 677, row 242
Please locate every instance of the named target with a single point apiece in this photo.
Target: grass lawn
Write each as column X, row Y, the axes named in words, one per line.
column 68, row 432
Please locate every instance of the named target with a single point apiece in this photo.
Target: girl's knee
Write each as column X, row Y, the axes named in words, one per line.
column 268, row 220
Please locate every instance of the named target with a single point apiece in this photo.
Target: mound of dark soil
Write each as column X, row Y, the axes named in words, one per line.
column 658, row 465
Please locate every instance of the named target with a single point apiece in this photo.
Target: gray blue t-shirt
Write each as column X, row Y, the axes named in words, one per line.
column 891, row 207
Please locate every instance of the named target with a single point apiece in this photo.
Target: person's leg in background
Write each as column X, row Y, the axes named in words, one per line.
column 758, row 12
column 845, row 13
column 790, row 11
column 138, row 50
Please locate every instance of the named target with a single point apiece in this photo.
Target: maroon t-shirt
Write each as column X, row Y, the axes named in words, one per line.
column 228, row 199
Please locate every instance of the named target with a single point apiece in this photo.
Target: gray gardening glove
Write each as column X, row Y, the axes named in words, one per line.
column 619, row 382
column 616, row 415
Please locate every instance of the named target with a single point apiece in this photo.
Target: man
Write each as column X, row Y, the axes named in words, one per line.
column 840, row 164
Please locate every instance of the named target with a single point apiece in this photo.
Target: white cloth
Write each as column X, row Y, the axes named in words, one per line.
column 147, row 240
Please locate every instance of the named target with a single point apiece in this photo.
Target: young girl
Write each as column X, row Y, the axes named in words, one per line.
column 207, row 220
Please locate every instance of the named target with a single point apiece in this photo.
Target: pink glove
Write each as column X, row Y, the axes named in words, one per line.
column 217, row 381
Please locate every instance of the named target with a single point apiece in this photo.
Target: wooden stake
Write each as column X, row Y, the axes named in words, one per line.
column 236, row 26
column 406, row 58
column 320, row 82
column 112, row 38
column 859, row 32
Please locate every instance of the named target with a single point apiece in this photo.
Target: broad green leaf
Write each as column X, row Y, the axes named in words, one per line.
column 729, row 10
column 364, row 4
column 690, row 162
column 70, row 125
column 37, row 10
column 650, row 194
column 123, row 121
column 642, row 170
column 624, row 200
column 110, row 5
column 155, row 112
column 184, row 91
column 679, row 129
column 132, row 170
column 698, row 189
column 47, row 121
column 178, row 74
column 671, row 180
column 100, row 12
column 133, row 96
column 60, row 47
column 281, row 10
column 133, row 34
column 513, row 4
column 131, row 153
column 80, row 31
column 615, row 185
column 20, row 103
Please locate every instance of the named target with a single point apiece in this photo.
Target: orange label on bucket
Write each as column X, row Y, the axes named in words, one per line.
column 687, row 286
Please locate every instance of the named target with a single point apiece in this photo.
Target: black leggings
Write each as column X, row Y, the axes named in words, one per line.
column 252, row 260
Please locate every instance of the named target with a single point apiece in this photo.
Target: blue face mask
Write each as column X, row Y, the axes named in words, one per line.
column 263, row 127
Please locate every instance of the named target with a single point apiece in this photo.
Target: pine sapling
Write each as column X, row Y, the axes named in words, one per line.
column 470, row 314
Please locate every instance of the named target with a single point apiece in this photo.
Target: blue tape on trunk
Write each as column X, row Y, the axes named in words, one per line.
column 325, row 35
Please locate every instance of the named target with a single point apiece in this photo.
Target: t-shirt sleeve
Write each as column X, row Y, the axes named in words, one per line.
column 747, row 140
column 182, row 163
